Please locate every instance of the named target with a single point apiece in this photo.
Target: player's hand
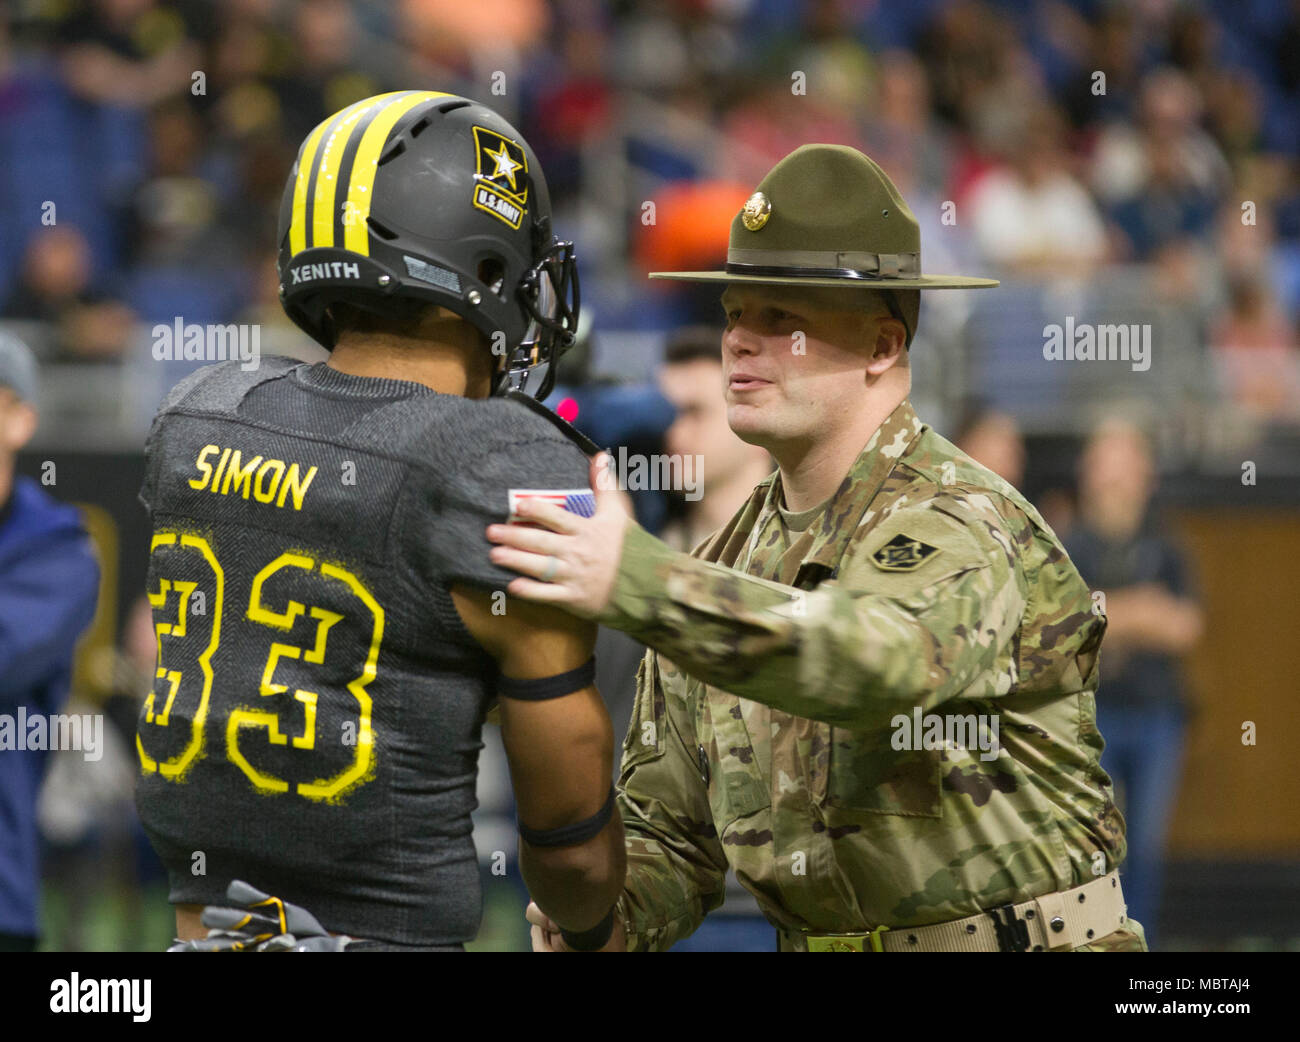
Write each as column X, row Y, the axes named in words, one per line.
column 546, row 937
column 258, row 922
column 582, row 553
column 544, row 931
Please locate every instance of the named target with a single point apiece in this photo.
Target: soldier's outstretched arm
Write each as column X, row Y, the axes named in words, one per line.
column 559, row 743
column 855, row 651
column 879, row 640
column 676, row 867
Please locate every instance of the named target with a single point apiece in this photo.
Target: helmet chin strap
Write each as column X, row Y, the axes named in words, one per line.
column 548, row 381
column 506, row 380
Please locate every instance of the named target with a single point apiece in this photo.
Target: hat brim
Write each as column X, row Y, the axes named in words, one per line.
column 920, row 282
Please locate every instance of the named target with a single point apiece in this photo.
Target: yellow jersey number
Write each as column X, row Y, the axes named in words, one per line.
column 248, row 718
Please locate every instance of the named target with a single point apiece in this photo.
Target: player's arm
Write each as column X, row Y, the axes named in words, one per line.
column 560, row 744
column 676, row 866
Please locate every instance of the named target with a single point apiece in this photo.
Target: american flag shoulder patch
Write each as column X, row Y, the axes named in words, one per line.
column 580, row 501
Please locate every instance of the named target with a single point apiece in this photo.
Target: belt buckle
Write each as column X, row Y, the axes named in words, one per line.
column 848, row 942
column 1012, row 932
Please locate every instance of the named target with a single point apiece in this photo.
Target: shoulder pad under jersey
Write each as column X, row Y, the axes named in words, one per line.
column 589, row 447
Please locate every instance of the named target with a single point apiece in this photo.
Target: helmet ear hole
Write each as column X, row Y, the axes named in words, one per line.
column 382, row 230
column 492, row 273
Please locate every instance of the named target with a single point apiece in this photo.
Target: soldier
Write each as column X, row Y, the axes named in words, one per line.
column 871, row 694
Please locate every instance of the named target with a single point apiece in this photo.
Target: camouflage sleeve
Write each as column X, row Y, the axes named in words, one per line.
column 856, row 650
column 676, row 868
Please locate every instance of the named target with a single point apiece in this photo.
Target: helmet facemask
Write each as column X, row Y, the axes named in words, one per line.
column 549, row 295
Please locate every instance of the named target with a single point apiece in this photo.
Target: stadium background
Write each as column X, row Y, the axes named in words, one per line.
column 144, row 145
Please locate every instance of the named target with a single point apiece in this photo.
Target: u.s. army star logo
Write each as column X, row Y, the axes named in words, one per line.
column 903, row 554
column 500, row 181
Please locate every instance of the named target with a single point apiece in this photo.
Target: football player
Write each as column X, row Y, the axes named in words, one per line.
column 330, row 631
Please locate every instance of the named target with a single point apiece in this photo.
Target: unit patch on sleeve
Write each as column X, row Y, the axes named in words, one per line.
column 903, row 554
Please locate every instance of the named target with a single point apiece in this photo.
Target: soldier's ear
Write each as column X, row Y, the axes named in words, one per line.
column 888, row 338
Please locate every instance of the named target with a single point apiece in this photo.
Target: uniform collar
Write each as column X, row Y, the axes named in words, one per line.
column 821, row 545
column 327, row 378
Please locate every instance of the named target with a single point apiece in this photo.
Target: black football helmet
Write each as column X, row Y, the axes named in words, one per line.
column 415, row 198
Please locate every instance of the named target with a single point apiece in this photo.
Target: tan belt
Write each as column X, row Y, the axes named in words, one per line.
column 1054, row 922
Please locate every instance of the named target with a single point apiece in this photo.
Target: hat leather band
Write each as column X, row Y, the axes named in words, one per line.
column 824, row 264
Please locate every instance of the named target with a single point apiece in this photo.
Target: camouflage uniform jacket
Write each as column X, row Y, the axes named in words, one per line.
column 763, row 736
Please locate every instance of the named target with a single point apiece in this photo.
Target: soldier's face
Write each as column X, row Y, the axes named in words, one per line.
column 794, row 360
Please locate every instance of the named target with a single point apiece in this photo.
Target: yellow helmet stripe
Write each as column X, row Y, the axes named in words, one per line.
column 332, row 149
column 306, row 161
column 356, row 233
column 306, row 176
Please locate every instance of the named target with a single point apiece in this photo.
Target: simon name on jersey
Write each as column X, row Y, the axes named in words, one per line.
column 264, row 479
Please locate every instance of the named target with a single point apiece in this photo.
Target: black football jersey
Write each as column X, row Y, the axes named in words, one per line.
column 314, row 723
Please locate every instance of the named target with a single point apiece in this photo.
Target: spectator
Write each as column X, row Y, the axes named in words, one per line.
column 55, row 275
column 1256, row 353
column 1163, row 178
column 993, row 439
column 49, row 582
column 127, row 52
column 56, row 288
column 1031, row 216
column 901, row 134
column 700, row 442
column 1153, row 620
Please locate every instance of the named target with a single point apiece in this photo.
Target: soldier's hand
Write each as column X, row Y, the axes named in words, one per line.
column 570, row 561
column 546, row 933
column 259, row 922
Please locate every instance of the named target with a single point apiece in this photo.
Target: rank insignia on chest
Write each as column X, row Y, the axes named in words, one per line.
column 903, row 554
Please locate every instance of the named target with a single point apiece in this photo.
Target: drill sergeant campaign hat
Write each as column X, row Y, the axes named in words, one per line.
column 827, row 215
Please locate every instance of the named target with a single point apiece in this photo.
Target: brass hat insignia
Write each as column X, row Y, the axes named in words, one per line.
column 758, row 208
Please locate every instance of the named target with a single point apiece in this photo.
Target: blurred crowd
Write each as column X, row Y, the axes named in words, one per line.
column 146, row 144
